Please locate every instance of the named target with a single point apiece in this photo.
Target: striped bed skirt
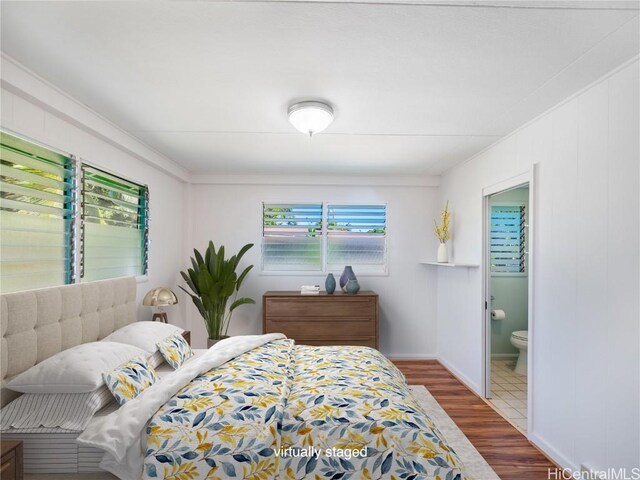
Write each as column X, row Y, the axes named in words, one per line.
column 56, row 453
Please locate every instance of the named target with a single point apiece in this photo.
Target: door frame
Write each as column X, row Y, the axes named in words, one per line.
column 528, row 177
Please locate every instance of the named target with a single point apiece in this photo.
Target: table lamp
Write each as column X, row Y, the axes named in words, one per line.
column 159, row 297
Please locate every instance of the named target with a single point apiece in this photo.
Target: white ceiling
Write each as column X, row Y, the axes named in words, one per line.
column 416, row 87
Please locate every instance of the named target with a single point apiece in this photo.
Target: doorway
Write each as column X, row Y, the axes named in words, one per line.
column 507, row 291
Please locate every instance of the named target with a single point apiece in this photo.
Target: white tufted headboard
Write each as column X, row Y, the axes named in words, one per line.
column 37, row 324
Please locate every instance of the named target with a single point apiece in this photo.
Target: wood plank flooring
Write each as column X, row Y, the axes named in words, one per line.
column 507, row 451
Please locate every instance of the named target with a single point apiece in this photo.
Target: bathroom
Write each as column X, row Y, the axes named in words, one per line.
column 508, row 278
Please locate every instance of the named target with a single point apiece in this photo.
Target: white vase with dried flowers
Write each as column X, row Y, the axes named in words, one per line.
column 443, row 234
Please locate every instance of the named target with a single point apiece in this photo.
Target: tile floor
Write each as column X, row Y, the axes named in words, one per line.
column 509, row 392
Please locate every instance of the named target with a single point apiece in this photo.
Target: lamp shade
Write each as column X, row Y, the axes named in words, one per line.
column 159, row 297
column 310, row 117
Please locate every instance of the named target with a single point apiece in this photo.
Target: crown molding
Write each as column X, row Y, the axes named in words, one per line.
column 309, row 180
column 19, row 80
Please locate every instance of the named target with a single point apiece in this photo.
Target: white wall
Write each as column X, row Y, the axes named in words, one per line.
column 230, row 215
column 586, row 339
column 29, row 115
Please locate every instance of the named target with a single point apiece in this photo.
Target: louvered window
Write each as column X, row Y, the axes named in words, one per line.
column 47, row 201
column 508, row 239
column 323, row 237
column 36, row 216
column 356, row 235
column 114, row 230
column 292, row 237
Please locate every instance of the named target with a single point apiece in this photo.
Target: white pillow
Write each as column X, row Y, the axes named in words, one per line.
column 76, row 370
column 143, row 335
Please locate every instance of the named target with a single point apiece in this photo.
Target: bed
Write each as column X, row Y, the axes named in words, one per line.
column 257, row 407
column 37, row 324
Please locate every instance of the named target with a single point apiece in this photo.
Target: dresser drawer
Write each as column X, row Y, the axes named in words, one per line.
column 320, row 327
column 359, row 342
column 321, row 307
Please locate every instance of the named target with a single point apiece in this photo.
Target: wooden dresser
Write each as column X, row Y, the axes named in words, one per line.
column 338, row 319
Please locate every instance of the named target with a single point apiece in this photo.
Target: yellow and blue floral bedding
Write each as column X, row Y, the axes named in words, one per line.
column 291, row 412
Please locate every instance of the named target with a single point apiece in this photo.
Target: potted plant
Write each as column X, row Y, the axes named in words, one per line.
column 443, row 234
column 213, row 281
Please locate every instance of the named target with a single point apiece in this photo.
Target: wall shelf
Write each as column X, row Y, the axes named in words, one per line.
column 460, row 265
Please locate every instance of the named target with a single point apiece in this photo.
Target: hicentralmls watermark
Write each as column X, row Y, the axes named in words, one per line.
column 347, row 454
column 608, row 474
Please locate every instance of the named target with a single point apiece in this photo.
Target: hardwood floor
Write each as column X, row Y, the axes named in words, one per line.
column 507, row 451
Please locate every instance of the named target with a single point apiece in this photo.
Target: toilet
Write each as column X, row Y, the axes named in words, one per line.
column 519, row 339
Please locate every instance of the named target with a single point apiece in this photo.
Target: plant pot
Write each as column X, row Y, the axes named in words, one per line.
column 443, row 256
column 212, row 341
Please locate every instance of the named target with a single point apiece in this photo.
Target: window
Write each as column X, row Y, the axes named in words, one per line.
column 42, row 213
column 508, row 239
column 323, row 237
column 114, row 229
column 356, row 235
column 292, row 237
column 36, row 216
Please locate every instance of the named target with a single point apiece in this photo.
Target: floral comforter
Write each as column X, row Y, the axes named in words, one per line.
column 291, row 412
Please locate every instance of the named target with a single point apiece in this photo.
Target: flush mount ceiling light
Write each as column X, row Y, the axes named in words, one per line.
column 310, row 117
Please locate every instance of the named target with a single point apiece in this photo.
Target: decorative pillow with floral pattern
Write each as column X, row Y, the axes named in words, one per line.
column 175, row 350
column 128, row 380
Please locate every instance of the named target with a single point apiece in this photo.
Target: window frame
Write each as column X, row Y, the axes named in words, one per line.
column 74, row 259
column 360, row 270
column 526, row 238
column 80, row 163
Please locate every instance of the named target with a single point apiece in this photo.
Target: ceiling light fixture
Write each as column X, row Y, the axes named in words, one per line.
column 310, row 117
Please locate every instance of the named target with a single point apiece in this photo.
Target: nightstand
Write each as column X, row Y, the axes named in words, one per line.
column 11, row 460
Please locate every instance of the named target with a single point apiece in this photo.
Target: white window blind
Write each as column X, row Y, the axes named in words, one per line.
column 36, row 214
column 114, row 227
column 292, row 237
column 356, row 235
column 508, row 239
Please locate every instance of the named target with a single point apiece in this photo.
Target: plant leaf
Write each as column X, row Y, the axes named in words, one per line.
column 207, row 254
column 189, row 282
column 219, row 263
column 241, row 277
column 242, row 251
column 198, row 257
column 241, row 301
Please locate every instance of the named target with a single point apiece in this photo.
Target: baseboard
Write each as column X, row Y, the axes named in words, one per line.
column 475, row 388
column 498, row 356
column 551, row 453
column 409, row 356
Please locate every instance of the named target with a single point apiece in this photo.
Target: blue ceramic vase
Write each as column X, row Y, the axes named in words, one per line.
column 330, row 284
column 347, row 274
column 353, row 286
